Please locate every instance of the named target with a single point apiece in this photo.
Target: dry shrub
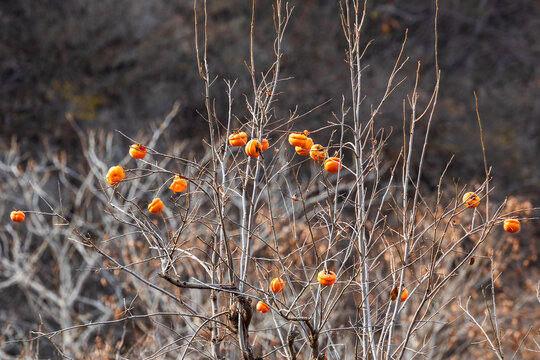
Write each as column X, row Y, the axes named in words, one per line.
column 95, row 274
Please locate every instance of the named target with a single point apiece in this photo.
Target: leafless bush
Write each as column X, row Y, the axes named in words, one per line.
column 184, row 283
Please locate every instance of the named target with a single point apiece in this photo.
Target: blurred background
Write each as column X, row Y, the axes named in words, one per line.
column 120, row 64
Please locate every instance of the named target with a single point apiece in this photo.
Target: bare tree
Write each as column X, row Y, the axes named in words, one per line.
column 199, row 266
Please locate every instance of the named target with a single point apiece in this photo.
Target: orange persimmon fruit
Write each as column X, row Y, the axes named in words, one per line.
column 264, row 144
column 262, row 307
column 326, row 277
column 17, row 216
column 471, row 200
column 115, row 175
column 298, row 139
column 179, row 184
column 394, row 294
column 238, row 139
column 137, row 151
column 155, row 206
column 317, row 152
column 332, row 165
column 253, row 148
column 277, row 285
column 511, row 225
column 304, row 150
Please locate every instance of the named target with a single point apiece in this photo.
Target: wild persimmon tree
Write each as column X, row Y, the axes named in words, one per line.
column 319, row 231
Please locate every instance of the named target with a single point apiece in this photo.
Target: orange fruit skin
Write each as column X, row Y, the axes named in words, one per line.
column 326, row 277
column 262, row 307
column 304, row 150
column 298, row 139
column 238, row 139
column 332, row 165
column 511, row 225
column 17, row 216
column 277, row 285
column 394, row 294
column 137, row 151
column 155, row 206
column 301, row 151
column 253, row 148
column 317, row 152
column 265, row 144
column 178, row 185
column 404, row 295
column 115, row 175
column 471, row 200
column 308, row 144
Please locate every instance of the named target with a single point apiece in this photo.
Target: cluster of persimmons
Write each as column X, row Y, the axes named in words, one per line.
column 303, row 146
column 325, row 277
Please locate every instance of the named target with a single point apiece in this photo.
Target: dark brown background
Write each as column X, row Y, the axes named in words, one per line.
column 119, row 64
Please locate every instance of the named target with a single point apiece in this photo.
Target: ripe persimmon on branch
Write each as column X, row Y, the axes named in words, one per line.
column 274, row 242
